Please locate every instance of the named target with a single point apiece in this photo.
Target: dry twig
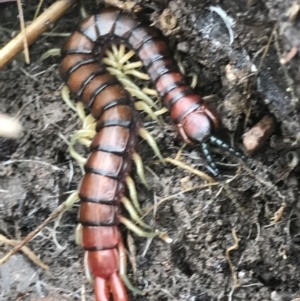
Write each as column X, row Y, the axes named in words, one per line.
column 236, row 283
column 34, row 30
column 32, row 234
column 22, row 25
column 279, row 213
column 25, row 250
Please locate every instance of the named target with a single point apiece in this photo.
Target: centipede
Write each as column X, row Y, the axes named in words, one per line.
column 117, row 125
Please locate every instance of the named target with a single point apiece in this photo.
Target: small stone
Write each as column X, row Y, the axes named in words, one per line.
column 256, row 137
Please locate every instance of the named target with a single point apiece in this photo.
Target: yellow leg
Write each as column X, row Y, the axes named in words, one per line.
column 87, row 271
column 151, row 92
column 142, row 96
column 151, row 141
column 119, row 64
column 78, row 235
column 139, row 167
column 133, row 89
column 123, row 269
column 161, row 111
column 85, row 141
column 133, row 214
column 121, row 54
column 65, row 94
column 80, row 111
column 71, row 200
column 50, row 52
column 132, row 65
column 194, row 77
column 85, row 136
column 89, row 123
column 133, row 194
column 142, row 106
column 110, row 59
column 140, row 232
column 127, row 57
column 138, row 74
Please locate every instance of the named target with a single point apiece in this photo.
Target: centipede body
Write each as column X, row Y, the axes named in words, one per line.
column 110, row 160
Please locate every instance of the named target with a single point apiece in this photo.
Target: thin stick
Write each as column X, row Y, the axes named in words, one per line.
column 38, row 9
column 267, row 47
column 34, row 30
column 22, row 25
column 236, row 283
column 32, row 234
column 155, row 206
column 25, row 250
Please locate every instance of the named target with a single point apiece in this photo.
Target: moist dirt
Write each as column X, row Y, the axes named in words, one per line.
column 224, row 43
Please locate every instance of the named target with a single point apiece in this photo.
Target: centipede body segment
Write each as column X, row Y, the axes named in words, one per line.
column 109, row 163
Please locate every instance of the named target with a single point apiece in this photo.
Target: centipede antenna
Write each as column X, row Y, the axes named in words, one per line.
column 218, row 142
column 211, row 163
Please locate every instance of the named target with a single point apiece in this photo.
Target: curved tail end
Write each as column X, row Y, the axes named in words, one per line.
column 113, row 286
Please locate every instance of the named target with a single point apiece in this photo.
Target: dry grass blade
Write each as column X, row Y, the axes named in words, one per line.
column 22, row 25
column 34, row 30
column 279, row 213
column 155, row 206
column 25, row 250
column 38, row 9
column 266, row 49
column 32, row 234
column 236, row 283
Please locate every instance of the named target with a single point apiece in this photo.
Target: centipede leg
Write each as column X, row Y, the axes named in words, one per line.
column 85, row 137
column 138, row 74
column 86, row 268
column 151, row 92
column 213, row 167
column 65, row 94
column 80, row 111
column 133, row 194
column 123, row 270
column 133, row 214
column 139, row 167
column 152, row 143
column 142, row 106
column 78, row 235
column 71, row 200
column 140, row 232
column 133, row 65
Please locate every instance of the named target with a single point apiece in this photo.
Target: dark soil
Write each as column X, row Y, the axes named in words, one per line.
column 40, row 171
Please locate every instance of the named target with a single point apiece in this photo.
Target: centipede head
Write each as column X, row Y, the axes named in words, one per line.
column 197, row 126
